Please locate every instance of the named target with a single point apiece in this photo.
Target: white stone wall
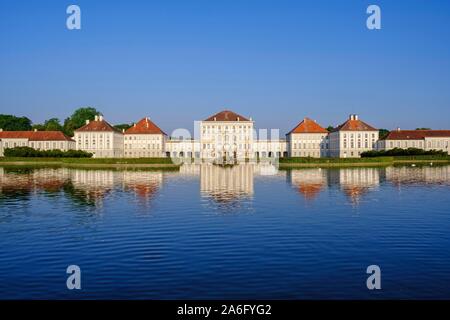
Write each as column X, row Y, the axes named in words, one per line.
column 232, row 139
column 350, row 144
column 270, row 148
column 182, row 148
column 442, row 144
column 144, row 145
column 38, row 145
column 402, row 144
column 438, row 143
column 102, row 144
column 308, row 145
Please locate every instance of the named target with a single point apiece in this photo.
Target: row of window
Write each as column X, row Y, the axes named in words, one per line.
column 38, row 145
column 310, row 146
column 352, row 135
column 419, row 144
column 142, row 146
column 316, row 154
column 143, row 137
column 219, row 146
column 359, row 145
column 143, row 154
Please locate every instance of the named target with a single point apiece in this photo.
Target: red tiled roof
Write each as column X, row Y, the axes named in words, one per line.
column 144, row 126
column 227, row 115
column 97, row 125
column 35, row 135
column 416, row 134
column 308, row 126
column 355, row 125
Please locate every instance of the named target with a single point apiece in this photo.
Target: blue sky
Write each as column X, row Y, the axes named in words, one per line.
column 276, row 61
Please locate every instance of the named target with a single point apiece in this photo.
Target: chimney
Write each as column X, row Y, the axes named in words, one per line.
column 238, row 119
column 35, row 130
column 123, row 130
column 100, row 118
column 134, row 125
column 356, row 116
column 251, row 119
column 398, row 129
column 215, row 118
column 1, row 129
column 96, row 118
column 87, row 121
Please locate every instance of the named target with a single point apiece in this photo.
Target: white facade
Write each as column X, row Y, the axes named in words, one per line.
column 226, row 139
column 314, row 145
column 275, row 148
column 427, row 140
column 144, row 145
column 182, row 148
column 100, row 138
column 352, row 138
column 38, row 140
column 144, row 140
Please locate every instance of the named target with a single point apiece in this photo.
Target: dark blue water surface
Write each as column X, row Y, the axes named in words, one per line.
column 208, row 232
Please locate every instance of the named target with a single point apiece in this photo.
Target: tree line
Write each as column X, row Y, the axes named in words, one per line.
column 76, row 120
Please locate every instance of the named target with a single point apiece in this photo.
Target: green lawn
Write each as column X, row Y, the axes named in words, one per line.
column 337, row 160
column 90, row 160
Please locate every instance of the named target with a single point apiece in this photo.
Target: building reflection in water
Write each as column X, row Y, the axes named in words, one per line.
column 355, row 182
column 434, row 175
column 227, row 186
column 83, row 187
column 143, row 184
column 308, row 182
column 92, row 186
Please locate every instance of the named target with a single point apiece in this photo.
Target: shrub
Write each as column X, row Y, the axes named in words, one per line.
column 27, row 152
column 397, row 152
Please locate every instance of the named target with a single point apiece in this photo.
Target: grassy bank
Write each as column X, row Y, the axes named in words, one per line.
column 358, row 162
column 92, row 162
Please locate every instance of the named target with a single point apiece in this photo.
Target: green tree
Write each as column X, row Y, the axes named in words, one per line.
column 78, row 119
column 52, row 124
column 123, row 126
column 423, row 128
column 383, row 133
column 330, row 128
column 12, row 123
column 38, row 127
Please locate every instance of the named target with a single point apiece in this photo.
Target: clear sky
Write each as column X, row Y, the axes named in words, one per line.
column 276, row 61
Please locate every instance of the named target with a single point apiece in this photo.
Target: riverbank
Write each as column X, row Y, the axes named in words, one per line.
column 360, row 162
column 166, row 163
column 156, row 163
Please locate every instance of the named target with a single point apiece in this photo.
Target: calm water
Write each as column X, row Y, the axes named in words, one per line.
column 241, row 232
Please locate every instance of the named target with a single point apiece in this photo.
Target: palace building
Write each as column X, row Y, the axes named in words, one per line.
column 352, row 138
column 308, row 139
column 39, row 140
column 144, row 140
column 227, row 135
column 100, row 138
column 420, row 139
